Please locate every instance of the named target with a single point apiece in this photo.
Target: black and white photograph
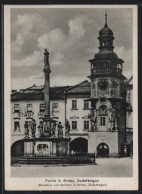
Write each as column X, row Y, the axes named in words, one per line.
column 71, row 97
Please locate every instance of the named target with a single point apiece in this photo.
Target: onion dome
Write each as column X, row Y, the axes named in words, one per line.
column 106, row 31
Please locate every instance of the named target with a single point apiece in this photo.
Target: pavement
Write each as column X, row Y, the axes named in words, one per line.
column 106, row 167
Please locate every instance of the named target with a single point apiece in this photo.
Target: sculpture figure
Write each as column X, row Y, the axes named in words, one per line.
column 110, row 114
column 40, row 129
column 26, row 129
column 33, row 128
column 112, row 118
column 67, row 127
column 54, row 129
column 93, row 126
column 46, row 55
column 60, row 130
column 113, row 115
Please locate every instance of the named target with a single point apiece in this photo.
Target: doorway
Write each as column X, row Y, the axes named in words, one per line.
column 79, row 146
column 102, row 150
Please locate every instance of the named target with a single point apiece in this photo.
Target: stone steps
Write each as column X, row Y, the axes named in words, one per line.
column 55, row 160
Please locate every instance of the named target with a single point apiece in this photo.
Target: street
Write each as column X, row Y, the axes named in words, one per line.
column 106, row 167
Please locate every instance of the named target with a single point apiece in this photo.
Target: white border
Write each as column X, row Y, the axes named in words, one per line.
column 32, row 183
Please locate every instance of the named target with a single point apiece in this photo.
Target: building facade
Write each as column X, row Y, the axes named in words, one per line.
column 70, row 104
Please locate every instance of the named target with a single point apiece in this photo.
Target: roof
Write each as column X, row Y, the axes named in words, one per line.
column 81, row 88
column 130, row 80
column 37, row 93
column 106, row 31
column 106, row 54
column 130, row 83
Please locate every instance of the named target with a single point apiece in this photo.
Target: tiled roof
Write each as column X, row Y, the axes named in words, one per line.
column 36, row 93
column 83, row 87
column 58, row 92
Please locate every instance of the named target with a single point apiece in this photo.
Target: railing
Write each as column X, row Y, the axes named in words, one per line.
column 107, row 130
column 106, row 70
column 77, row 158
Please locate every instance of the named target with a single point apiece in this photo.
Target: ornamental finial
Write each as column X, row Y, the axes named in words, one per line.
column 106, row 18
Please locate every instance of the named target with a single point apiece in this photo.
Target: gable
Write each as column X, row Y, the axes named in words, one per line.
column 82, row 88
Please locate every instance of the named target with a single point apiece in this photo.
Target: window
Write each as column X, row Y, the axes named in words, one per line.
column 16, row 126
column 16, row 108
column 54, row 107
column 74, row 125
column 42, row 107
column 102, row 121
column 86, row 125
column 29, row 107
column 74, row 104
column 86, row 104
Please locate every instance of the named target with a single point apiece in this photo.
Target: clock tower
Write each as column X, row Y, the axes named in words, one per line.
column 107, row 135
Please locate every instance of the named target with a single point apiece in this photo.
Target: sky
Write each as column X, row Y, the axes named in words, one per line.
column 71, row 37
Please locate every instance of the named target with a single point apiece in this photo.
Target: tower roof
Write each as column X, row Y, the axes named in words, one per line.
column 106, row 61
column 106, row 31
column 106, row 54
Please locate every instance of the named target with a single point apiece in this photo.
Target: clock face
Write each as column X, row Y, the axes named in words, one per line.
column 103, row 84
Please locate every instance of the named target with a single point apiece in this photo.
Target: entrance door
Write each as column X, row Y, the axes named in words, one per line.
column 102, row 150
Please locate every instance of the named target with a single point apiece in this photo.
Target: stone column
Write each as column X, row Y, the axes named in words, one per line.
column 47, row 72
column 47, row 119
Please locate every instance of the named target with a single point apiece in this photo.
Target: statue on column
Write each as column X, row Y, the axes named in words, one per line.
column 46, row 60
column 33, row 128
column 67, row 127
column 26, row 129
column 60, row 130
